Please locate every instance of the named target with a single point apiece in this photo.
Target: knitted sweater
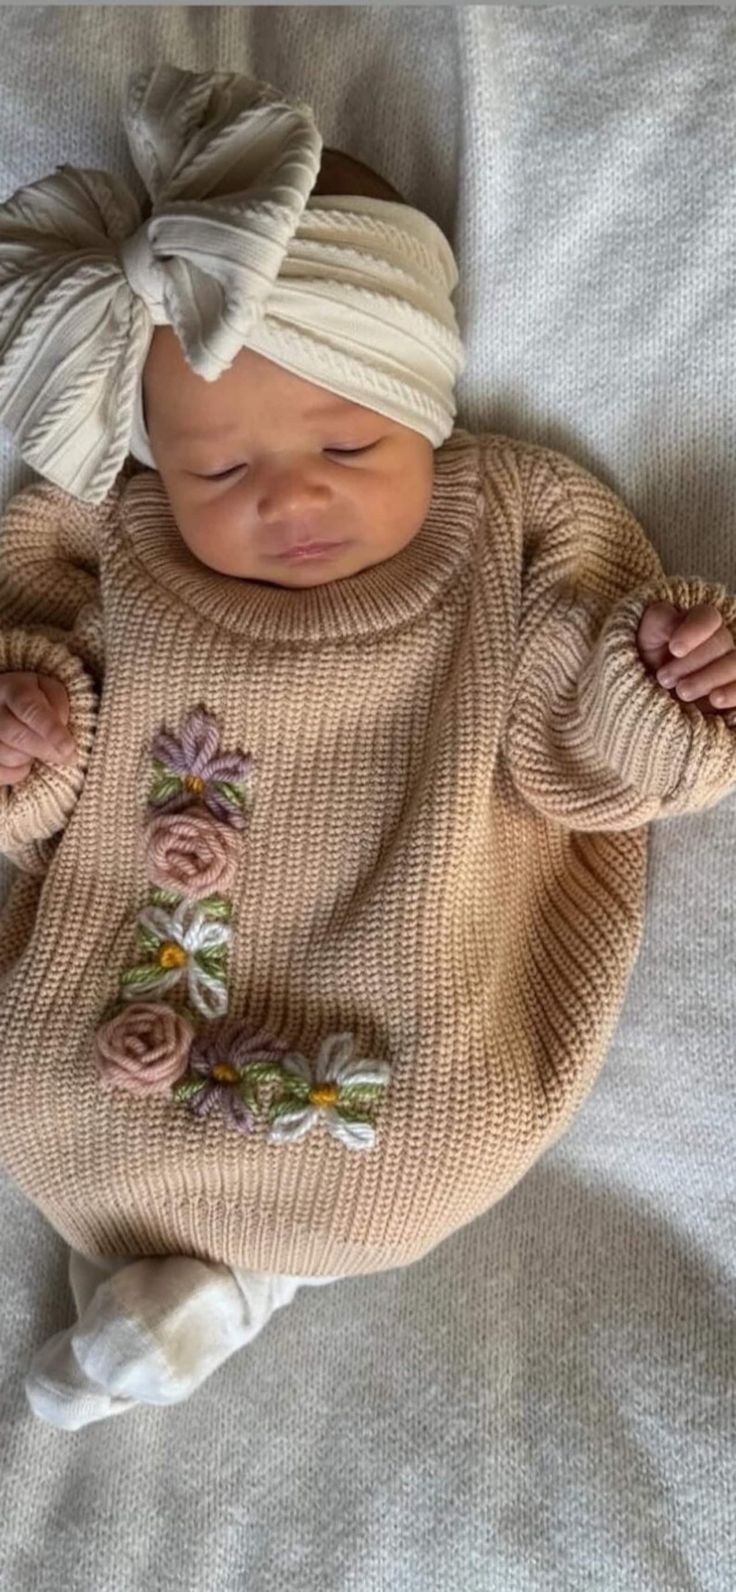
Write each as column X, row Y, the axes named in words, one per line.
column 321, row 941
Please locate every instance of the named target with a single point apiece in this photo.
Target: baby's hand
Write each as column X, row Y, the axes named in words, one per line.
column 692, row 652
column 33, row 711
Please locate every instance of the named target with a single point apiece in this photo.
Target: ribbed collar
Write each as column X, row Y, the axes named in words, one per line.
column 374, row 601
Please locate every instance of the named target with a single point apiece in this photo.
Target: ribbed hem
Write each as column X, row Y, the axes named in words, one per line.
column 39, row 806
column 217, row 1231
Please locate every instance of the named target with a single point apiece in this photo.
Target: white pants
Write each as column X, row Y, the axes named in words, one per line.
column 148, row 1332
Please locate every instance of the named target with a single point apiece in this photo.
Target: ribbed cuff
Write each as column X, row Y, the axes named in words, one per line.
column 40, row 805
column 655, row 743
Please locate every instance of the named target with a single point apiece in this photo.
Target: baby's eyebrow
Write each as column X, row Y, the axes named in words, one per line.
column 225, row 433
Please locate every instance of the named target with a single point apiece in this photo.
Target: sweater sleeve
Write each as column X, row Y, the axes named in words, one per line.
column 51, row 623
column 592, row 740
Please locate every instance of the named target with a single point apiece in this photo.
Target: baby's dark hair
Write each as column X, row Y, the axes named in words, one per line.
column 343, row 174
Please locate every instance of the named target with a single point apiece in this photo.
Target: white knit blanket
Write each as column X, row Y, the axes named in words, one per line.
column 544, row 1404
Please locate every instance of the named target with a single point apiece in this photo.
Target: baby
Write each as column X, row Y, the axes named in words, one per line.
column 195, row 428
column 327, row 757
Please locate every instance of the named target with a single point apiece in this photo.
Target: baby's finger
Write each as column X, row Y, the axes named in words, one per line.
column 11, row 758
column 33, row 727
column 56, row 693
column 10, row 774
column 699, row 624
column 705, row 681
column 717, row 646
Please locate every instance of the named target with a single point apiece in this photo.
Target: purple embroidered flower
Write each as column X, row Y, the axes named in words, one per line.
column 226, row 1064
column 190, row 766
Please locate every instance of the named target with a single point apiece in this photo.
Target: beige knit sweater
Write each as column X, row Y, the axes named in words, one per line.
column 434, row 782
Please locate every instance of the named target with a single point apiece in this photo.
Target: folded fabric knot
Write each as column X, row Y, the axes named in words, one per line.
column 143, row 271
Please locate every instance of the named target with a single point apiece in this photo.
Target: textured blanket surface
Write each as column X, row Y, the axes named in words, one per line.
column 545, row 1403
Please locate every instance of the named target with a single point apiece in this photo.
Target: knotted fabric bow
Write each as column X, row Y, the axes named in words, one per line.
column 352, row 293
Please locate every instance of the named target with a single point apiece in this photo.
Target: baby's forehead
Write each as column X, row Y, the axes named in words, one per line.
column 250, row 379
column 223, row 416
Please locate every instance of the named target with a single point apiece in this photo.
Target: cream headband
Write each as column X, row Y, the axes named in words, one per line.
column 351, row 293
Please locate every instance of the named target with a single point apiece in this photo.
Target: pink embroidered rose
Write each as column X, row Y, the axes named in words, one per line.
column 191, row 853
column 145, row 1049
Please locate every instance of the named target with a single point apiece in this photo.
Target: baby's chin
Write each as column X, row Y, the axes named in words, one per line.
column 296, row 574
column 310, row 574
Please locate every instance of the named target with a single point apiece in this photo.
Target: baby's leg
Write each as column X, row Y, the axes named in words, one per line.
column 57, row 1388
column 282, row 1287
column 85, row 1275
column 150, row 1333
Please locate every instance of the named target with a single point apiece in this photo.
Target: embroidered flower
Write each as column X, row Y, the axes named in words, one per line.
column 184, row 933
column 338, row 1089
column 185, row 946
column 145, row 1049
column 192, row 765
column 191, row 853
column 226, row 1065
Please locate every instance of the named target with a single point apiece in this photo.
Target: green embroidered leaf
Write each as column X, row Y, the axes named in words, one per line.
column 234, row 792
column 144, row 977
column 280, row 1108
column 264, row 1072
column 353, row 1093
column 247, row 1093
column 163, row 786
column 188, row 1087
column 148, row 939
column 215, row 906
column 352, row 1114
column 294, row 1090
column 212, row 958
column 159, row 897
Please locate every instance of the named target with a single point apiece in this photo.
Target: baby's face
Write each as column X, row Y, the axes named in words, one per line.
column 287, row 480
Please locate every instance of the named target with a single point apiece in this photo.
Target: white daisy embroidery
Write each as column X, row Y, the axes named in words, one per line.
column 184, row 946
column 337, row 1090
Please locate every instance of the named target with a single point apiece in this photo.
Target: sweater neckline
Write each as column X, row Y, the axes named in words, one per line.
column 377, row 599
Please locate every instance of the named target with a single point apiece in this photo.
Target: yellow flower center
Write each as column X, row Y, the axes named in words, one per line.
column 171, row 954
column 224, row 1073
column 194, row 783
column 323, row 1094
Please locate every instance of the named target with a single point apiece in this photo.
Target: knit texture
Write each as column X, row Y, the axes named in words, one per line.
column 451, row 760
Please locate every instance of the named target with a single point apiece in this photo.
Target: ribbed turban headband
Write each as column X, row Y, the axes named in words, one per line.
column 350, row 292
